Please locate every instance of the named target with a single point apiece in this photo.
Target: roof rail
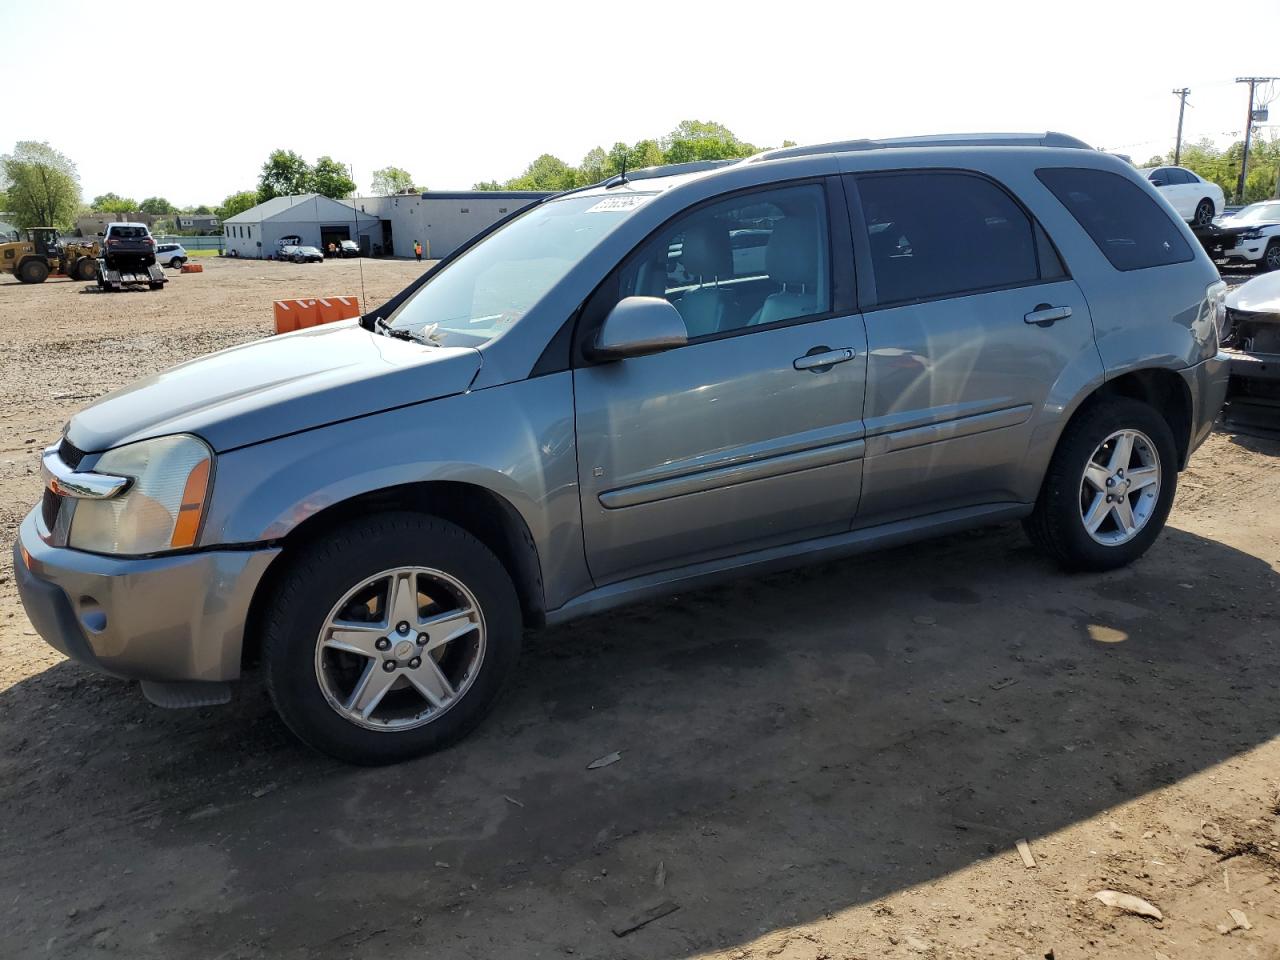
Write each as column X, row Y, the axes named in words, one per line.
column 666, row 170
column 1047, row 139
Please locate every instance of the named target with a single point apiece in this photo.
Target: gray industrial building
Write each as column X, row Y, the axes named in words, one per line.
column 382, row 226
column 442, row 221
column 315, row 220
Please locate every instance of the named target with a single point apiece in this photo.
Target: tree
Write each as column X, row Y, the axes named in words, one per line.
column 391, row 180
column 284, row 174
column 329, row 178
column 703, row 140
column 690, row 140
column 42, row 185
column 157, row 206
column 237, row 203
column 545, row 173
column 114, row 203
column 200, row 211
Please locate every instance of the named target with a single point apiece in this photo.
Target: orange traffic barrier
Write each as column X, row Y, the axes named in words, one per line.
column 299, row 314
column 193, row 268
column 337, row 308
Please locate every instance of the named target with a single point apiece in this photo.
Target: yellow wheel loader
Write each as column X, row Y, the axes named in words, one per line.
column 39, row 252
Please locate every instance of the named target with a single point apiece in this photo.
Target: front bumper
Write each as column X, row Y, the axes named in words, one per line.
column 1207, row 381
column 166, row 618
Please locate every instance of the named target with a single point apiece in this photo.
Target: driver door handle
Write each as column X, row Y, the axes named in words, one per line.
column 824, row 359
column 1045, row 315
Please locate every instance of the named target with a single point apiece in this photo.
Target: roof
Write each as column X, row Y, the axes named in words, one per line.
column 321, row 208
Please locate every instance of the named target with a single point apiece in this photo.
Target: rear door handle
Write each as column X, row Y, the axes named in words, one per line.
column 1045, row 315
column 821, row 359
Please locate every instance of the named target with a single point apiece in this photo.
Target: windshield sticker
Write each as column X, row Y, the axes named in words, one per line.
column 619, row 204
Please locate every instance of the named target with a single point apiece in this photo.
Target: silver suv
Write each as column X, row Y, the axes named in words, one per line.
column 676, row 376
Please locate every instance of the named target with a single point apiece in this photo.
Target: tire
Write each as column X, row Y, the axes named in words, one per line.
column 1204, row 212
column 176, row 263
column 1058, row 523
column 1271, row 256
column 86, row 269
column 314, row 684
column 33, row 271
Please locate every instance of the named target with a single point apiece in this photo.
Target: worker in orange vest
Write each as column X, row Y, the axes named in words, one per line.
column 417, row 250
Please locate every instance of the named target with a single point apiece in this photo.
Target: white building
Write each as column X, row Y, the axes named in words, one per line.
column 317, row 220
column 383, row 226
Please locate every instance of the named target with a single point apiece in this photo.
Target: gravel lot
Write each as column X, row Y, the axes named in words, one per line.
column 831, row 763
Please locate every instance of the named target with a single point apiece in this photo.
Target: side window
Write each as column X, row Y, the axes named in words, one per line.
column 935, row 235
column 1178, row 176
column 1129, row 227
column 755, row 259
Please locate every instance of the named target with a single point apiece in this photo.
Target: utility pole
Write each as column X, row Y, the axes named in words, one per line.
column 1182, row 108
column 1248, row 130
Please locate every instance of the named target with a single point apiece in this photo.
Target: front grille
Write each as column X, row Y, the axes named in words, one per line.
column 50, row 504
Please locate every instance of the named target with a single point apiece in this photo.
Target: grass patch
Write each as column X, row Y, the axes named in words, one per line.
column 202, row 253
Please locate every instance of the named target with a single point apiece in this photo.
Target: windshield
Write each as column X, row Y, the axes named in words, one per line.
column 493, row 285
column 1258, row 212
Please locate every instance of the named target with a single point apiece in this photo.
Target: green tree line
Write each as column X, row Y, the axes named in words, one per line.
column 690, row 140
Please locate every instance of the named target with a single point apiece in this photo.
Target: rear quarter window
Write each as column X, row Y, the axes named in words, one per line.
column 1130, row 228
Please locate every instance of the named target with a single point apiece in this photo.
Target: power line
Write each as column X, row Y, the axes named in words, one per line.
column 1248, row 128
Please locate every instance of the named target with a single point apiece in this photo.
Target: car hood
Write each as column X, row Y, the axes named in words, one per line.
column 1259, row 295
column 276, row 386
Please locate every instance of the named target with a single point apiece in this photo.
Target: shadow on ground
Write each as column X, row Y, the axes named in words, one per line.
column 790, row 746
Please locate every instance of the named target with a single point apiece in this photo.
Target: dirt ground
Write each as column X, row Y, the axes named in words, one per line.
column 832, row 763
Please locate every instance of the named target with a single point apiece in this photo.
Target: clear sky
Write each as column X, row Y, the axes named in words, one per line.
column 185, row 100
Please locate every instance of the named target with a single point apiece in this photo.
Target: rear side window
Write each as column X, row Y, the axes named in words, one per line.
column 1129, row 227
column 935, row 235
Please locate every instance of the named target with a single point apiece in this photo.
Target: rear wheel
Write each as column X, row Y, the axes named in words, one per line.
column 176, row 263
column 1109, row 487
column 86, row 268
column 392, row 637
column 33, row 271
column 1204, row 212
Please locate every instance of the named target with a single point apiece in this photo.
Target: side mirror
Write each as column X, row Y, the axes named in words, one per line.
column 638, row 326
column 1158, row 183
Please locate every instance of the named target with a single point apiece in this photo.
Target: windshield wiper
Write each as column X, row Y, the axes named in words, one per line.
column 396, row 333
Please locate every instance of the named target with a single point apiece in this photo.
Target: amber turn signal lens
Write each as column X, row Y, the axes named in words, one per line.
column 192, row 506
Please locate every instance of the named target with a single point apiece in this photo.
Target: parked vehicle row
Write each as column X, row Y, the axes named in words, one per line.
column 628, row 390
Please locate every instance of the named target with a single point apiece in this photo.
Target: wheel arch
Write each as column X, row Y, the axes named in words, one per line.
column 1162, row 389
column 486, row 515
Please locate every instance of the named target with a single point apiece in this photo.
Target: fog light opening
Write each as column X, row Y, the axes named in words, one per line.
column 92, row 615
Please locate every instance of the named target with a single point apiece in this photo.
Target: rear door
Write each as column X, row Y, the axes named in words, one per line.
column 751, row 434
column 973, row 320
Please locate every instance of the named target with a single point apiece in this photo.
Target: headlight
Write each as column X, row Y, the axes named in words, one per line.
column 1251, row 235
column 160, row 510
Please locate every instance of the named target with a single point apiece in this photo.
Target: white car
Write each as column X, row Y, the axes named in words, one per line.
column 1259, row 238
column 171, row 254
column 1197, row 200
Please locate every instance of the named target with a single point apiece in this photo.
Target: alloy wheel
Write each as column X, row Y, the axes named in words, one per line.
column 400, row 648
column 1120, row 487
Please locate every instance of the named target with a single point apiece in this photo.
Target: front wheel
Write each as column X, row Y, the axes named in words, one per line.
column 391, row 637
column 1109, row 487
column 1204, row 212
column 176, row 263
column 1271, row 256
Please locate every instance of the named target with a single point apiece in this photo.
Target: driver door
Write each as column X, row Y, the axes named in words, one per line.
column 750, row 435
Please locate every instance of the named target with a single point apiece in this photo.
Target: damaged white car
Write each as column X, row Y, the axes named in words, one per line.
column 1251, row 339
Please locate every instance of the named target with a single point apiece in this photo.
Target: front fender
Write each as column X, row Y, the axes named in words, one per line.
column 514, row 440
